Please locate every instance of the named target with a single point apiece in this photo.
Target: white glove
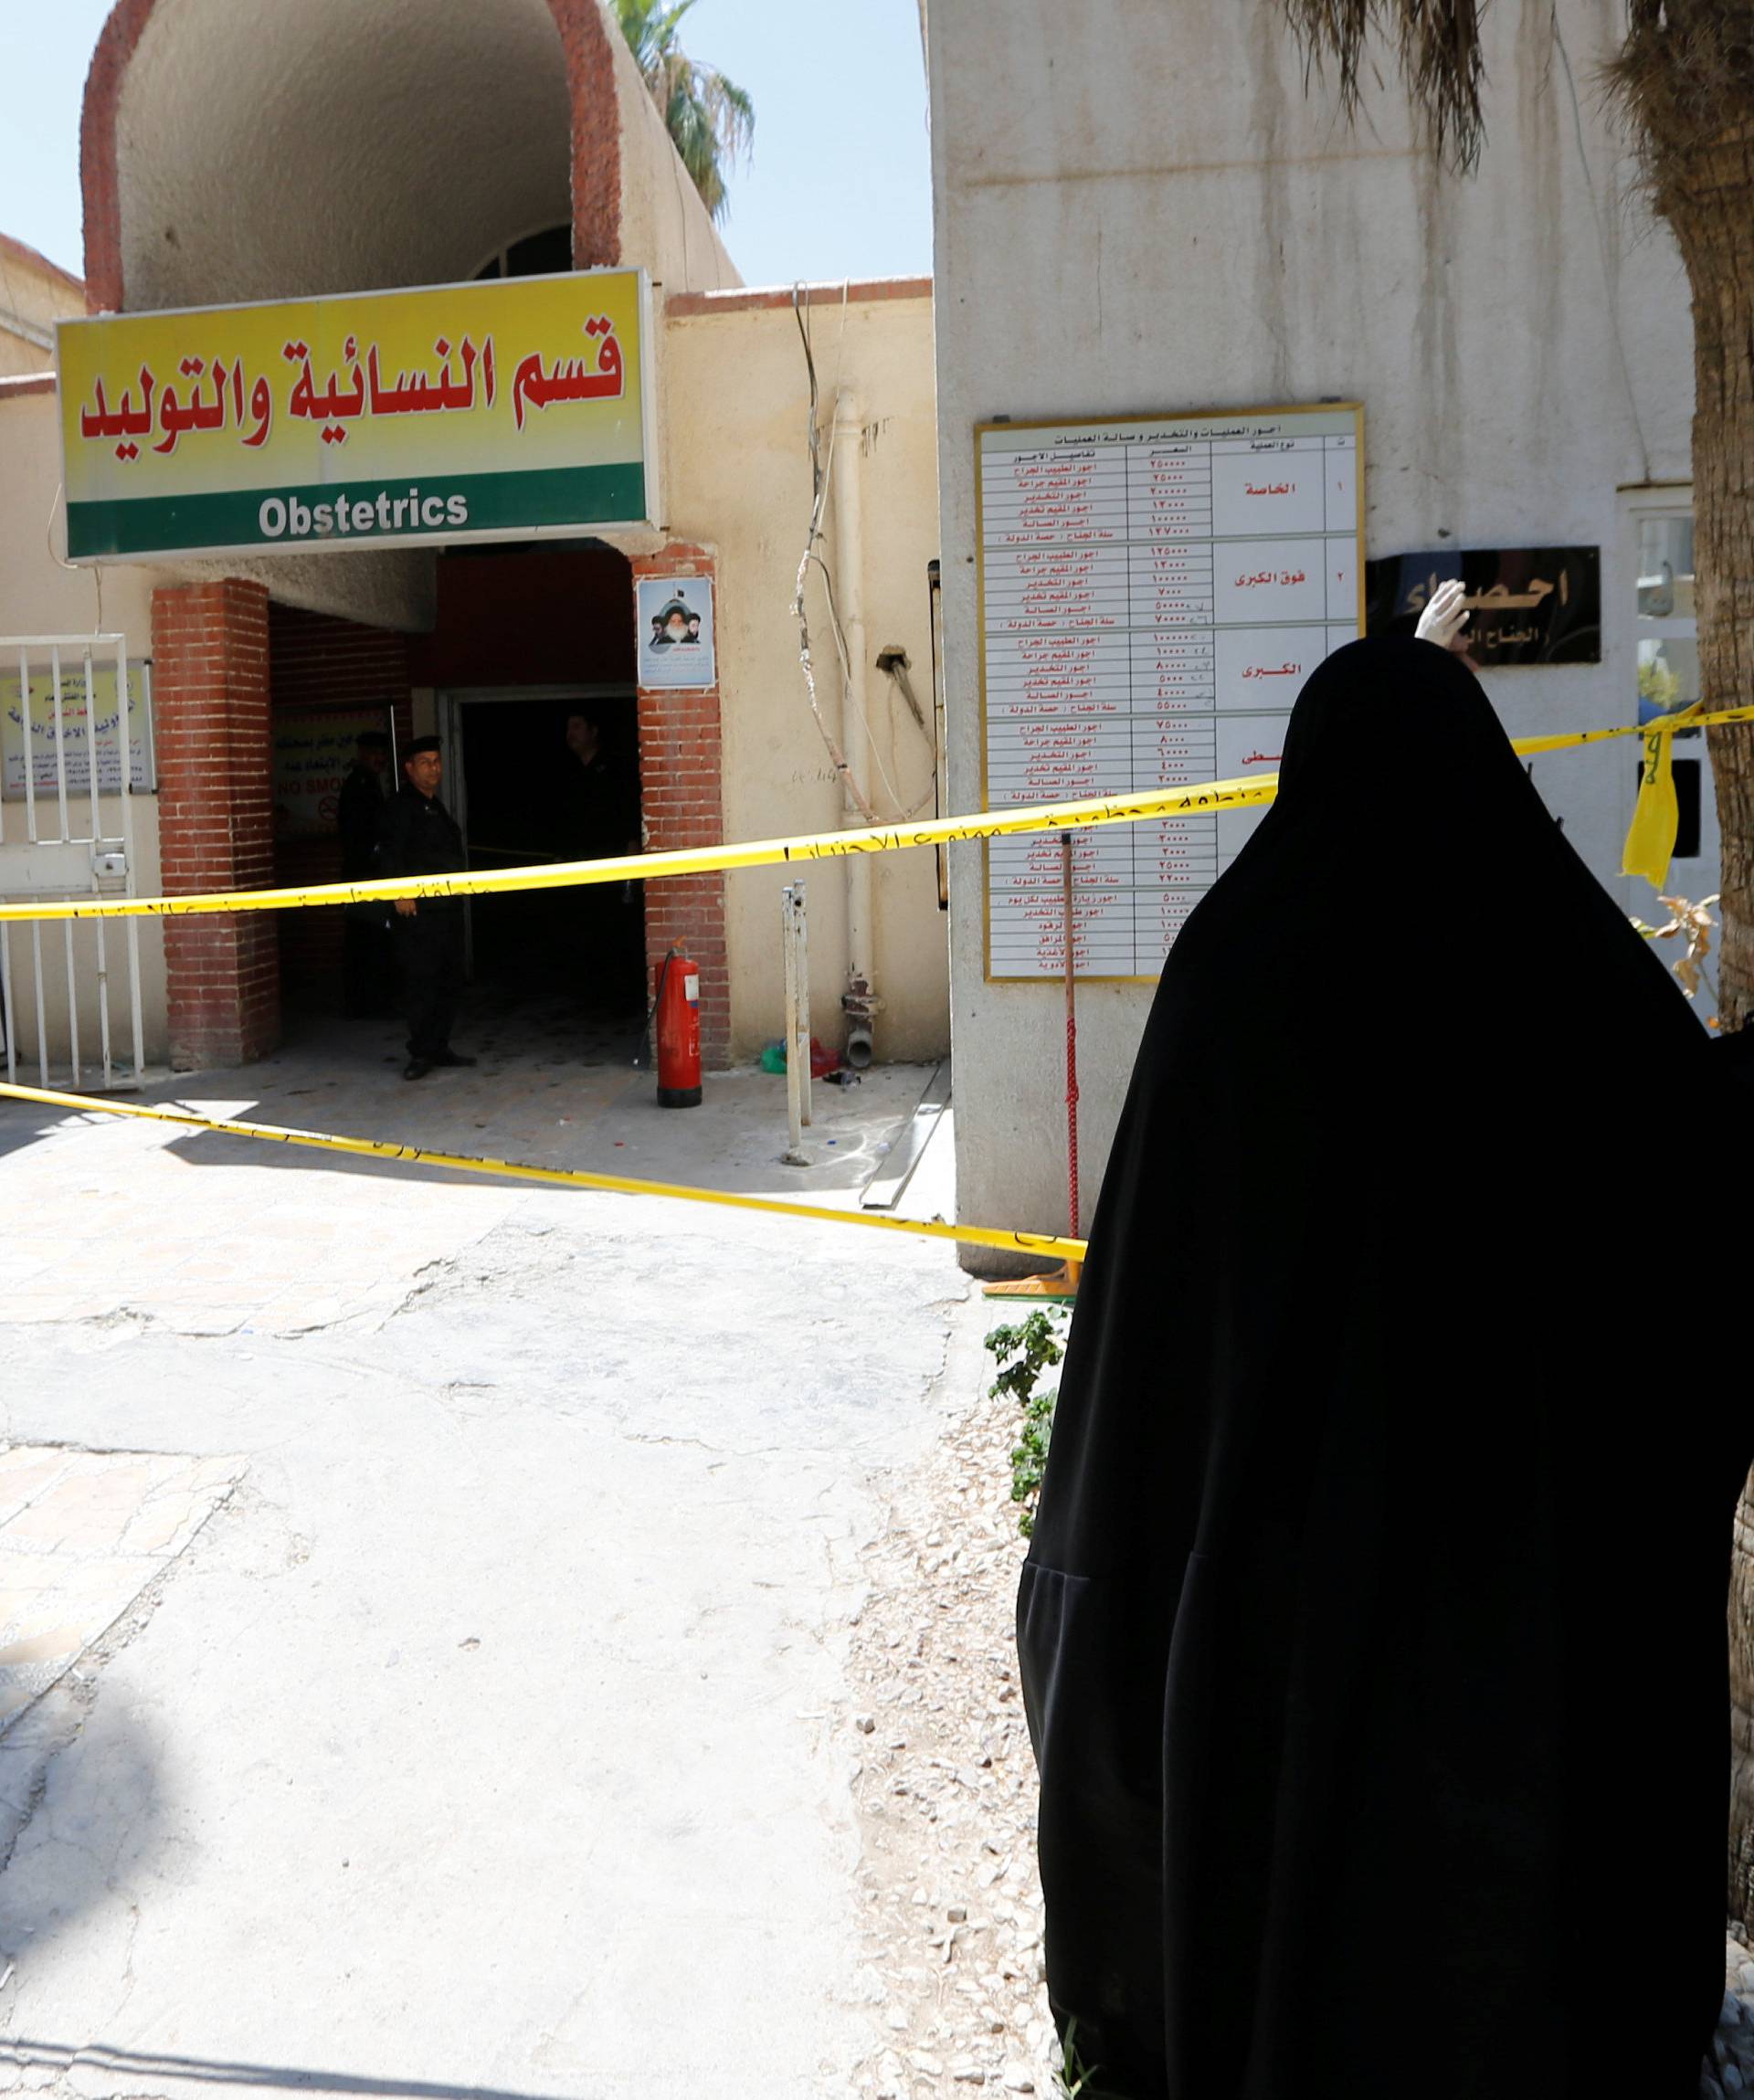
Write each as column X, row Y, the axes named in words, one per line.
column 1445, row 617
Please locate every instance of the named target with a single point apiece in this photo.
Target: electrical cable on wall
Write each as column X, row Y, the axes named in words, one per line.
column 819, row 494
column 821, row 480
column 72, row 568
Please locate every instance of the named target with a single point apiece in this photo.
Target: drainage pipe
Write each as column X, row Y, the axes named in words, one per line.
column 860, row 1001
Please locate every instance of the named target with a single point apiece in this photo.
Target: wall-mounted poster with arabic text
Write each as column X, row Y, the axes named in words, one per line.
column 1154, row 592
column 65, row 759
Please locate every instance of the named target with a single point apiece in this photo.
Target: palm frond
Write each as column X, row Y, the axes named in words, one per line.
column 1683, row 80
column 1437, row 49
column 711, row 120
column 729, row 111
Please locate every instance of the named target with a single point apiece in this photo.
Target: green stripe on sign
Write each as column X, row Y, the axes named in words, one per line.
column 140, row 525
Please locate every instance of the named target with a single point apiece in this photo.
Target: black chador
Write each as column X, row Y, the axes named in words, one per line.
column 1373, row 1630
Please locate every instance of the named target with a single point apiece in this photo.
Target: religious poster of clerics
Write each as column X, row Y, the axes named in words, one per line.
column 1153, row 592
column 676, row 639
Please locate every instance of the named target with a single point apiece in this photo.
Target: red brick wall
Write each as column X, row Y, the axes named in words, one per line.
column 214, row 817
column 316, row 662
column 680, row 776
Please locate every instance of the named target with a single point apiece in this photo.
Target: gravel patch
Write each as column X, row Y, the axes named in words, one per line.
column 945, row 1784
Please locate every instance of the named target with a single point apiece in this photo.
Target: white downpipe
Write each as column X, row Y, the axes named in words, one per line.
column 848, row 570
column 795, row 945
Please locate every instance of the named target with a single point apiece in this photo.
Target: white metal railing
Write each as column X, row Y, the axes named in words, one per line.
column 75, row 732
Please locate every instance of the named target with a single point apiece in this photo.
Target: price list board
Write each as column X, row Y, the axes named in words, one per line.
column 1154, row 592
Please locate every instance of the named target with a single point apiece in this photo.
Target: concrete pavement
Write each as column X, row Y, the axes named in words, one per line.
column 477, row 1722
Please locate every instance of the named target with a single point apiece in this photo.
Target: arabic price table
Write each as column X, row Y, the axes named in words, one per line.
column 1153, row 596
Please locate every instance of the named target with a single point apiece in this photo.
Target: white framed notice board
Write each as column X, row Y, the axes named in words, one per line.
column 1153, row 592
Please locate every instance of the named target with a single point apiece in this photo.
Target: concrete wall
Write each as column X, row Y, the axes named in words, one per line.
column 736, row 413
column 1138, row 209
column 39, row 595
column 664, row 225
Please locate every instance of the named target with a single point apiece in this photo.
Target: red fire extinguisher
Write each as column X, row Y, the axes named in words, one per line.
column 679, row 1031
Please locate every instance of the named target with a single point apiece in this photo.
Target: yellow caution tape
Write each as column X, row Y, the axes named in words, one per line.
column 1669, row 725
column 1656, row 815
column 1044, row 1244
column 1207, row 797
column 1210, row 795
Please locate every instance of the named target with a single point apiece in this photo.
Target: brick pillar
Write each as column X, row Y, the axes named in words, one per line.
column 216, row 817
column 683, row 803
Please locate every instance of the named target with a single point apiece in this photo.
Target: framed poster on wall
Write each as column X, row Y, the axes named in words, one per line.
column 1153, row 592
column 89, row 718
column 674, row 634
column 313, row 750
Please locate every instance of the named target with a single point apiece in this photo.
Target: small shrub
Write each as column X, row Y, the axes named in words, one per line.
column 1023, row 1353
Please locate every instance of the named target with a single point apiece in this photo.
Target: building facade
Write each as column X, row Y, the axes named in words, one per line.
column 340, row 148
column 1145, row 211
column 34, row 293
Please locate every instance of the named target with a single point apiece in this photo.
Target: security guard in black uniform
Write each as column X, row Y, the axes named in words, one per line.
column 420, row 838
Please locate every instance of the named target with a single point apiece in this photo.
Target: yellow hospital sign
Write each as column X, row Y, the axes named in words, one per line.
column 473, row 411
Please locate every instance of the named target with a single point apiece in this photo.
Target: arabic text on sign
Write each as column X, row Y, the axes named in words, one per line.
column 207, row 394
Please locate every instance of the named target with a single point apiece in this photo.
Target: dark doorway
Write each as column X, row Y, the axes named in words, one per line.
column 546, row 780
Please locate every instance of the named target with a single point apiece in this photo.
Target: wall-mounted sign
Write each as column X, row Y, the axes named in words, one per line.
column 675, row 631
column 471, row 412
column 314, row 750
column 1154, row 591
column 1525, row 605
column 78, row 707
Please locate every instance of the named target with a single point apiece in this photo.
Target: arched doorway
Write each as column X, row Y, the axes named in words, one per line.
column 329, row 146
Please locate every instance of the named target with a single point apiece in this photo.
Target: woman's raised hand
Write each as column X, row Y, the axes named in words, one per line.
column 1445, row 617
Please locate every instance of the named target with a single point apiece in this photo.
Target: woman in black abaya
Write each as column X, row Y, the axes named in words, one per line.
column 1372, row 1633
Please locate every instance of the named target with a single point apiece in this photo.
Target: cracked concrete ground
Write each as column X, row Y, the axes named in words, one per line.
column 490, row 1731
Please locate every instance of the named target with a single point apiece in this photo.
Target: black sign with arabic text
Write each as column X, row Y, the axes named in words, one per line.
column 1525, row 605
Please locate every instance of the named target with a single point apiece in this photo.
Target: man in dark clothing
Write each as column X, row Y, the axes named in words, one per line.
column 420, row 838
column 367, row 953
column 362, row 805
column 600, row 821
column 601, row 799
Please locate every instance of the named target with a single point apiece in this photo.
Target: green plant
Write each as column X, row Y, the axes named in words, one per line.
column 1658, row 687
column 1074, row 2081
column 1023, row 1353
column 711, row 120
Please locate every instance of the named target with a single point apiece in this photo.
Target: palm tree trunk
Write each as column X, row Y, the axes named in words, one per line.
column 1712, row 226
column 1708, row 200
column 1740, row 1901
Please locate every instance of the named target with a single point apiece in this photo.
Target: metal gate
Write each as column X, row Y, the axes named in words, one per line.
column 76, row 749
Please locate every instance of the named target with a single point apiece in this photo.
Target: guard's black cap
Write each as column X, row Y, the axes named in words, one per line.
column 421, row 744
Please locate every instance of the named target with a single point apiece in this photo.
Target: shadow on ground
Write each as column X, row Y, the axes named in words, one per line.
column 82, row 1795
column 64, row 2056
